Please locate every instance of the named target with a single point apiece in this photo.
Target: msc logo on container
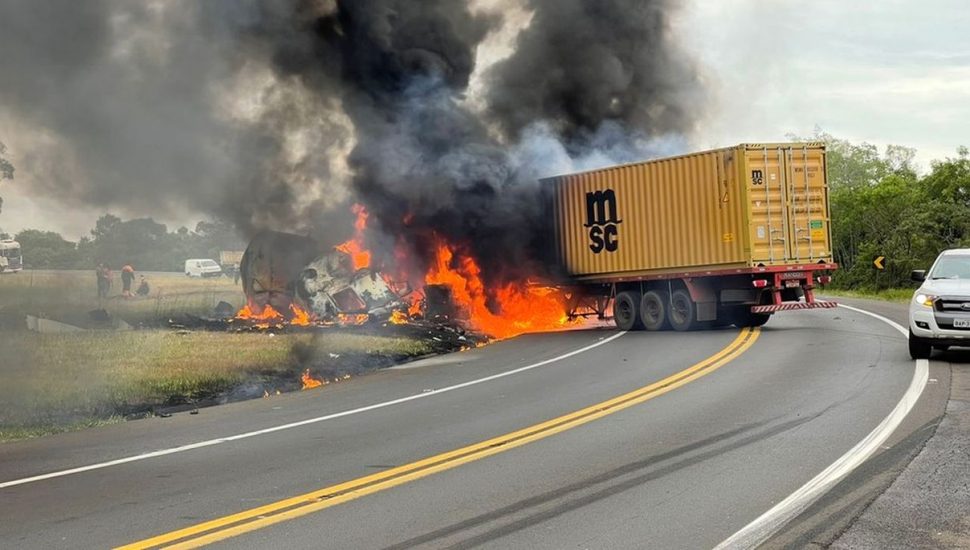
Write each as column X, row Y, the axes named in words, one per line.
column 602, row 221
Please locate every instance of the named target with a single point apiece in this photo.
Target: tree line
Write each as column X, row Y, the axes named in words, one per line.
column 881, row 206
column 144, row 243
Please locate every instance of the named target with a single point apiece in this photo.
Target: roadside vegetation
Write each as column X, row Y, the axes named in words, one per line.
column 141, row 242
column 897, row 295
column 57, row 382
column 885, row 205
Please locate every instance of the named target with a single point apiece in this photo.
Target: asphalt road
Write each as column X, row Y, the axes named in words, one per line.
column 685, row 469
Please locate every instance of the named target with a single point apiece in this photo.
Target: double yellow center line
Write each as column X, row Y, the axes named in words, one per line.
column 283, row 510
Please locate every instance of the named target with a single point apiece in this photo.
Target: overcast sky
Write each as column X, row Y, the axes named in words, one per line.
column 892, row 71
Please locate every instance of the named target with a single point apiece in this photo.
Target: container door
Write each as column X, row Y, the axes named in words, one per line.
column 807, row 212
column 767, row 192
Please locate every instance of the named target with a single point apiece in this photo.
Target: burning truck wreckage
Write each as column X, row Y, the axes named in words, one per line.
column 292, row 283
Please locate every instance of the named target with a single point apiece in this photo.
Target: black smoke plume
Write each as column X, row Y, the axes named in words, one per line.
column 279, row 114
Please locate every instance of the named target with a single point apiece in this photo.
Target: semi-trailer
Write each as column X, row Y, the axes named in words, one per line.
column 719, row 237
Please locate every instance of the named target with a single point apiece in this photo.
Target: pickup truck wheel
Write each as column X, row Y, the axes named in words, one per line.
column 919, row 348
column 682, row 310
column 626, row 311
column 653, row 310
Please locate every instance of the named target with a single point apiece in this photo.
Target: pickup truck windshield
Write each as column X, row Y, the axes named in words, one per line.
column 952, row 267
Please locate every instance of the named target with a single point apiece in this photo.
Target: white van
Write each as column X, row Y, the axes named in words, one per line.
column 202, row 268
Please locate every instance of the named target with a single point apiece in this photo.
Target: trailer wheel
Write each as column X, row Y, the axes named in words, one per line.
column 653, row 310
column 682, row 311
column 626, row 311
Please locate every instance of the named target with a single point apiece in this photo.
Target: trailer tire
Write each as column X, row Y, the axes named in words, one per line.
column 653, row 310
column 626, row 311
column 682, row 311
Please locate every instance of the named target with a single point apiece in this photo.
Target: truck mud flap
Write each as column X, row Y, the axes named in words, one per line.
column 789, row 306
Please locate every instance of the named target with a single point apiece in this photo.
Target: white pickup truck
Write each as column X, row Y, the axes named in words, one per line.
column 939, row 314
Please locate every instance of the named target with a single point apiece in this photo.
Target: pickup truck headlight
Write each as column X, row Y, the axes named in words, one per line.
column 925, row 299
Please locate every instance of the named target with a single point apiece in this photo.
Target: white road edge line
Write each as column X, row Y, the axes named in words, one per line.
column 766, row 525
column 237, row 437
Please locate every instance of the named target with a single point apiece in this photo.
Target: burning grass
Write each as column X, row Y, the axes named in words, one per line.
column 60, row 382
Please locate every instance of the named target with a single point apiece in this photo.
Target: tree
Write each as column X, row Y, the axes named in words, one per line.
column 6, row 168
column 142, row 242
column 47, row 249
column 147, row 245
column 950, row 179
column 851, row 165
column 902, row 216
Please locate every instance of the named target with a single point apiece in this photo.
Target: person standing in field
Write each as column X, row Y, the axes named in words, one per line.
column 102, row 274
column 127, row 277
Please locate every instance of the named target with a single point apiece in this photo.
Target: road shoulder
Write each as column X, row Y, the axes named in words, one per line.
column 928, row 505
column 830, row 520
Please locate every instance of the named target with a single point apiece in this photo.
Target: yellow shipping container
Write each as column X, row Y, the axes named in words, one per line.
column 747, row 206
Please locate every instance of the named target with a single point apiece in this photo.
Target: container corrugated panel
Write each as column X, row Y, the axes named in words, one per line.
column 789, row 206
column 734, row 207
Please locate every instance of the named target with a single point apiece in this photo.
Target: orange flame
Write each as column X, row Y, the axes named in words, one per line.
column 354, row 319
column 359, row 255
column 309, row 381
column 398, row 317
column 267, row 316
column 249, row 313
column 301, row 317
column 415, row 307
column 521, row 307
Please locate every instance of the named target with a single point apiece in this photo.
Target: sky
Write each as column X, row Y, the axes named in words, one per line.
column 887, row 72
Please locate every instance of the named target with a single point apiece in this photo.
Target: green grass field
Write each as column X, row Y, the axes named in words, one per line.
column 59, row 293
column 58, row 382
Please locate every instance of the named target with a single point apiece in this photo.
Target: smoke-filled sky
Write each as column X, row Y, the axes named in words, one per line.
column 276, row 114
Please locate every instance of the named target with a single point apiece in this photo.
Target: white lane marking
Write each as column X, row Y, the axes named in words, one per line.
column 766, row 525
column 247, row 435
